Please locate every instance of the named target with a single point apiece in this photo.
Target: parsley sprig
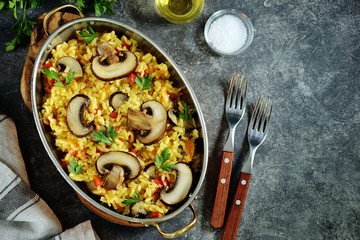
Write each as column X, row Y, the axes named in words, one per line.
column 107, row 137
column 187, row 113
column 145, row 83
column 75, row 167
column 24, row 26
column 51, row 74
column 134, row 200
column 89, row 35
column 161, row 159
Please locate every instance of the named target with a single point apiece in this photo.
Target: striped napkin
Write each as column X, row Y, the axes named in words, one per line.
column 23, row 214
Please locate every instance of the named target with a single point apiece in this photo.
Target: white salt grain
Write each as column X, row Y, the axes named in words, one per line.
column 227, row 34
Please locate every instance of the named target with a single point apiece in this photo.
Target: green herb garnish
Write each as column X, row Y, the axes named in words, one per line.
column 104, row 7
column 23, row 26
column 188, row 112
column 89, row 35
column 69, row 78
column 51, row 74
column 161, row 159
column 75, row 167
column 145, row 82
column 133, row 201
column 107, row 137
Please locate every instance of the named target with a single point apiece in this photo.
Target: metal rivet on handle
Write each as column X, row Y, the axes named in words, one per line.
column 243, row 182
column 223, row 180
column 226, row 160
column 238, row 202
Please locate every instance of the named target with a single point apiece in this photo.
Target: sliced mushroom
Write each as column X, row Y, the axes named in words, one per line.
column 111, row 65
column 138, row 120
column 172, row 114
column 181, row 187
column 114, row 178
column 107, row 53
column 70, row 64
column 151, row 121
column 116, row 166
column 75, row 116
column 151, row 170
column 117, row 99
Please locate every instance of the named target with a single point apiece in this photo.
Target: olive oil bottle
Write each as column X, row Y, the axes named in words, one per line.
column 179, row 11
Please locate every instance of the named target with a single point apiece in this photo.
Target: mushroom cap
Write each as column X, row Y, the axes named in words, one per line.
column 71, row 65
column 129, row 162
column 152, row 120
column 117, row 99
column 75, row 116
column 125, row 66
column 182, row 185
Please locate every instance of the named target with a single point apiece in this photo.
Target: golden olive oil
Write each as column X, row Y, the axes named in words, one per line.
column 179, row 11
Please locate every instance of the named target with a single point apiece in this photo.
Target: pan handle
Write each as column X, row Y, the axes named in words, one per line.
column 180, row 231
column 50, row 13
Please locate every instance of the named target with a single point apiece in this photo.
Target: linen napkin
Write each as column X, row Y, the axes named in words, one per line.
column 23, row 214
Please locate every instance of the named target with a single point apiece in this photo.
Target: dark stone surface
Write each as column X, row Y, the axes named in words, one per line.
column 306, row 56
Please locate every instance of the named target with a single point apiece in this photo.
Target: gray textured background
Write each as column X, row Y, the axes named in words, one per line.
column 306, row 56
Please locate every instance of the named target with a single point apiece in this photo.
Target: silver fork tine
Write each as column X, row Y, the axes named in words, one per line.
column 230, row 98
column 242, row 93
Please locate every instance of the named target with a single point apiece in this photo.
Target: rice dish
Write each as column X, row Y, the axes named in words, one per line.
column 138, row 196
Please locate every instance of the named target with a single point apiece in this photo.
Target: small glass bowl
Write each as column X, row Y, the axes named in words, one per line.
column 242, row 17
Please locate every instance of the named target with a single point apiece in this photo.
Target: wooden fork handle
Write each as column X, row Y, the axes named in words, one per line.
column 236, row 208
column 222, row 190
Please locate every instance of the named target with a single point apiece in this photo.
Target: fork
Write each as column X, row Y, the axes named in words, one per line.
column 257, row 131
column 234, row 110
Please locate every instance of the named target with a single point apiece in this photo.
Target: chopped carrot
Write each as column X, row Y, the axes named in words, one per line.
column 155, row 214
column 190, row 148
column 74, row 153
column 133, row 150
column 98, row 181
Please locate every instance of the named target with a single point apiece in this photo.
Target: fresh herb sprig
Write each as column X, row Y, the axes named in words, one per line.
column 51, row 74
column 145, row 83
column 23, row 26
column 89, row 34
column 187, row 113
column 134, row 200
column 107, row 137
column 161, row 159
column 75, row 167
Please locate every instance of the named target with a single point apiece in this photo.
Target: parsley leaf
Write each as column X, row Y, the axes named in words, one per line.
column 133, row 201
column 75, row 167
column 2, row 5
column 69, row 78
column 89, row 35
column 103, row 7
column 145, row 83
column 161, row 159
column 80, row 4
column 188, row 112
column 23, row 26
column 51, row 74
column 107, row 137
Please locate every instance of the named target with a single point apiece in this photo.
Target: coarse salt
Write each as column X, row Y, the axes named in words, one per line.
column 227, row 34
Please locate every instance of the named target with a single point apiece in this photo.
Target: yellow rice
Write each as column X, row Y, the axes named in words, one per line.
column 86, row 150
